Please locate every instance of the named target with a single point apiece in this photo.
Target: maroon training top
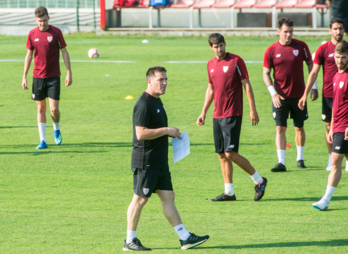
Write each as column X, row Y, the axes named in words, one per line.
column 287, row 61
column 46, row 45
column 325, row 56
column 225, row 75
column 340, row 102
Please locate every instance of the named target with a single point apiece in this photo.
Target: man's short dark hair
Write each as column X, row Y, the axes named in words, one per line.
column 336, row 20
column 216, row 38
column 151, row 72
column 40, row 12
column 342, row 48
column 285, row 21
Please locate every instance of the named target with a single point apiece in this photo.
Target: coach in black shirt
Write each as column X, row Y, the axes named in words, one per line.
column 150, row 162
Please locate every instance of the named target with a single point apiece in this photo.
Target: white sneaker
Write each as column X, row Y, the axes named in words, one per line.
column 321, row 205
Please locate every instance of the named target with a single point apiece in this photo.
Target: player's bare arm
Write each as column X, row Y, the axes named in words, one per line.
column 314, row 92
column 254, row 117
column 144, row 133
column 330, row 136
column 27, row 62
column 66, row 58
column 310, row 82
column 209, row 96
column 269, row 84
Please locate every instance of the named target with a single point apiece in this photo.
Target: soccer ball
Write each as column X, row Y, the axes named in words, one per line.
column 93, row 53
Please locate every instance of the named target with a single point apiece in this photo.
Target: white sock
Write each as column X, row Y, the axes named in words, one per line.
column 329, row 192
column 281, row 156
column 329, row 162
column 42, row 131
column 56, row 126
column 300, row 150
column 346, row 169
column 256, row 178
column 182, row 232
column 130, row 236
column 229, row 189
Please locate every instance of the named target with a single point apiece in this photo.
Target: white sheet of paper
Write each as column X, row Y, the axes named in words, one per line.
column 181, row 147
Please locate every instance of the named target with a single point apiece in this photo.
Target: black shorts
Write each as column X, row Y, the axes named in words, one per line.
column 326, row 112
column 146, row 181
column 226, row 133
column 281, row 115
column 339, row 144
column 46, row 87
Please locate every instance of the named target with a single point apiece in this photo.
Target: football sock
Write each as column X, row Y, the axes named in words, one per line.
column 300, row 150
column 329, row 162
column 56, row 126
column 182, row 232
column 346, row 169
column 329, row 192
column 229, row 189
column 256, row 178
column 281, row 156
column 42, row 131
column 130, row 236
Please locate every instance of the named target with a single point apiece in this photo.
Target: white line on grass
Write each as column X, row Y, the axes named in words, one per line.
column 205, row 62
column 76, row 61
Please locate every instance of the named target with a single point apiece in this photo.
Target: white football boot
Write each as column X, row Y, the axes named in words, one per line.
column 321, row 205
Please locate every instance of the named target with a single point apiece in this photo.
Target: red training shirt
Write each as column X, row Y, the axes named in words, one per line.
column 225, row 75
column 325, row 56
column 46, row 45
column 287, row 61
column 340, row 102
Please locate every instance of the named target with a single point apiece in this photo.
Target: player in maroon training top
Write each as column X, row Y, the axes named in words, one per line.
column 338, row 134
column 46, row 41
column 325, row 56
column 227, row 76
column 286, row 58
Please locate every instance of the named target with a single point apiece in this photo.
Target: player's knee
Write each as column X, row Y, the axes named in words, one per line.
column 232, row 156
column 41, row 109
column 54, row 111
column 222, row 156
column 281, row 129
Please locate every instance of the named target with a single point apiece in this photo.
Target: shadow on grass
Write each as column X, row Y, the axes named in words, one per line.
column 212, row 144
column 314, row 199
column 329, row 243
column 49, row 152
column 89, row 144
column 17, row 127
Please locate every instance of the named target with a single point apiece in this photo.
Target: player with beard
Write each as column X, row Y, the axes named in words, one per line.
column 338, row 134
column 325, row 56
column 286, row 57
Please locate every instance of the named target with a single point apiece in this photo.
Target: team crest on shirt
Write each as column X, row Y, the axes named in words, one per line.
column 341, row 84
column 225, row 68
column 212, row 70
column 145, row 190
column 323, row 117
column 49, row 38
column 37, row 39
column 295, row 52
column 274, row 115
column 331, row 55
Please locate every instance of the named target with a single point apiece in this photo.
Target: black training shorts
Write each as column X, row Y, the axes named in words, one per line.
column 226, row 133
column 326, row 112
column 46, row 87
column 281, row 115
column 146, row 181
column 339, row 144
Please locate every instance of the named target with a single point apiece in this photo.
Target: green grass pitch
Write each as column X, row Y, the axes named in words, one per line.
column 73, row 198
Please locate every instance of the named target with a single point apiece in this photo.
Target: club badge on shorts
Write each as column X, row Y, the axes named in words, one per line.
column 323, row 117
column 225, row 68
column 33, row 96
column 145, row 190
column 295, row 52
column 49, row 38
column 274, row 115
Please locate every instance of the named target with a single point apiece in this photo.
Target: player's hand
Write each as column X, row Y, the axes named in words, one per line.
column 24, row 84
column 314, row 94
column 330, row 137
column 254, row 117
column 276, row 100
column 302, row 102
column 174, row 132
column 346, row 134
column 201, row 120
column 68, row 79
